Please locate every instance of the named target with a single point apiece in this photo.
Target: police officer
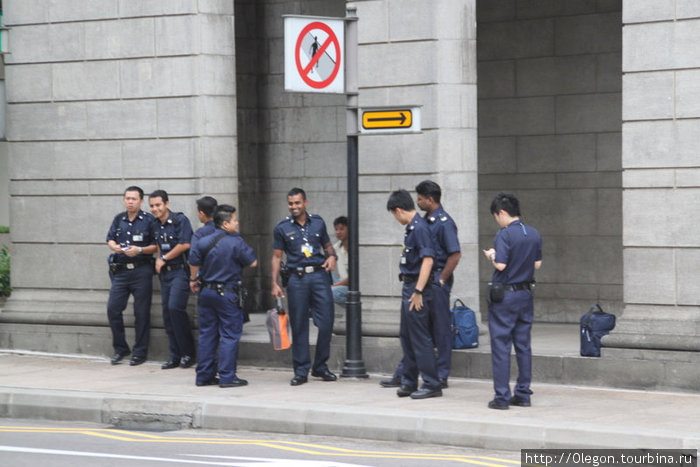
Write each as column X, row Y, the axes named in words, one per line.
column 131, row 271
column 516, row 254
column 310, row 258
column 206, row 206
column 219, row 258
column 447, row 256
column 416, row 299
column 173, row 233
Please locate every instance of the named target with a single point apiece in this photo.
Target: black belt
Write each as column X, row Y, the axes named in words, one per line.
column 114, row 267
column 172, row 267
column 408, row 278
column 221, row 287
column 518, row 286
column 301, row 270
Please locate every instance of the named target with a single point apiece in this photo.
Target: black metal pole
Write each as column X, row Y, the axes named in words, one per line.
column 354, row 366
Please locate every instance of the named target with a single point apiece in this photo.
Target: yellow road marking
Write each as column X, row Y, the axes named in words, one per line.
column 292, row 446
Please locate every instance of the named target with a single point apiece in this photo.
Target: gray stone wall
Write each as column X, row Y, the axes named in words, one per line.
column 102, row 95
column 419, row 54
column 661, row 121
column 549, row 131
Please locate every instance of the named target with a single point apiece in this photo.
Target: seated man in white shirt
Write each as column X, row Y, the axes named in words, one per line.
column 340, row 273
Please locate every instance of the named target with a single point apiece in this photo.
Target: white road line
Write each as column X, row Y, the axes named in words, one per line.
column 246, row 461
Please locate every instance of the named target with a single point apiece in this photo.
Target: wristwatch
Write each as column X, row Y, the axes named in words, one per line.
column 163, row 257
column 442, row 283
column 419, row 292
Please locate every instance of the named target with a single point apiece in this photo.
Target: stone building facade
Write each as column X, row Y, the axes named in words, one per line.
column 529, row 96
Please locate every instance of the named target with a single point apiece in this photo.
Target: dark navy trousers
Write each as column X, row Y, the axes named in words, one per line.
column 441, row 325
column 310, row 294
column 175, row 291
column 220, row 328
column 417, row 341
column 139, row 282
column 510, row 323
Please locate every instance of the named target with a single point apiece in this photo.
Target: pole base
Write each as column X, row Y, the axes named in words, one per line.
column 354, row 369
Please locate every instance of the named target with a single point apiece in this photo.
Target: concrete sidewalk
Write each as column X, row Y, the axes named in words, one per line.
column 39, row 386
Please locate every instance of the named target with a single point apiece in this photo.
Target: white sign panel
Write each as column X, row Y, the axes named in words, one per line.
column 314, row 54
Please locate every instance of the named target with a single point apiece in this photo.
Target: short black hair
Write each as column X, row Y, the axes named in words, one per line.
column 159, row 194
column 506, row 201
column 400, row 199
column 429, row 189
column 297, row 191
column 223, row 213
column 134, row 188
column 340, row 220
column 207, row 205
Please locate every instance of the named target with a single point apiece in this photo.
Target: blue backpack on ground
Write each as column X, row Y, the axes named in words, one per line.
column 594, row 325
column 465, row 332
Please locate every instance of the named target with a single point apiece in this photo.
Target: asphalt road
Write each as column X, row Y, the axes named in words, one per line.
column 48, row 444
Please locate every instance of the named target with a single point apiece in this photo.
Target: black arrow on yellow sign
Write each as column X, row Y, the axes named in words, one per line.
column 385, row 119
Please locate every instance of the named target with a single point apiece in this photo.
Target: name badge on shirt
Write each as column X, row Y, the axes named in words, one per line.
column 137, row 238
column 403, row 260
column 165, row 246
column 307, row 250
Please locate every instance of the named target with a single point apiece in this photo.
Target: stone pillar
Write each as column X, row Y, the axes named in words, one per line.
column 416, row 54
column 661, row 178
column 101, row 97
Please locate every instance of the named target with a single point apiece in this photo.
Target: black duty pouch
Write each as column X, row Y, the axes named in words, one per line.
column 497, row 292
column 242, row 295
column 284, row 274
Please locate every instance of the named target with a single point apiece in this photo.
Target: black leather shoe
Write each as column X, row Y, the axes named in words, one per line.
column 443, row 383
column 394, row 382
column 298, row 380
column 137, row 361
column 497, row 405
column 405, row 391
column 169, row 364
column 211, row 382
column 519, row 401
column 325, row 375
column 187, row 361
column 426, row 393
column 238, row 382
column 118, row 357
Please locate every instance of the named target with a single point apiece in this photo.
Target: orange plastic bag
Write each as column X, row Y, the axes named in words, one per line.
column 278, row 326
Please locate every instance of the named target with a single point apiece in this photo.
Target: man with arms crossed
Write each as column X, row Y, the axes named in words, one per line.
column 173, row 234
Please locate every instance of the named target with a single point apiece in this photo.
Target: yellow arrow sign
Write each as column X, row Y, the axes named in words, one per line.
column 381, row 119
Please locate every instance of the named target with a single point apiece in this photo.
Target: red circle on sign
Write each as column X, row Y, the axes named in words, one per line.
column 331, row 40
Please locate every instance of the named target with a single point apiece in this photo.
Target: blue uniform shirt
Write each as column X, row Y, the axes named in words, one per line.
column 418, row 243
column 444, row 230
column 517, row 246
column 138, row 233
column 175, row 230
column 207, row 229
column 225, row 262
column 302, row 244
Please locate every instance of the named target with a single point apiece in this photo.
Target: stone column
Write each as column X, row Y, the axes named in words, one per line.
column 101, row 97
column 661, row 178
column 422, row 54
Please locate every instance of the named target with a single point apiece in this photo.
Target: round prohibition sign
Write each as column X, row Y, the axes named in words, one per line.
column 304, row 71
